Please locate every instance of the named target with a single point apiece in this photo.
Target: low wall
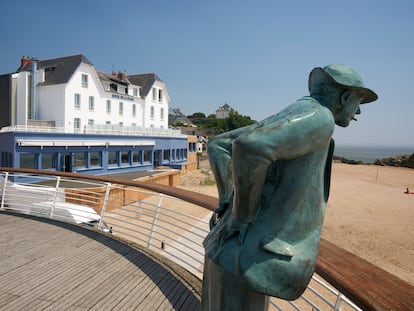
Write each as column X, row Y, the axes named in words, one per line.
column 119, row 195
column 189, row 166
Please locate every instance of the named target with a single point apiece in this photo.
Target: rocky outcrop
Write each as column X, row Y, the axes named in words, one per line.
column 404, row 160
column 347, row 161
column 400, row 161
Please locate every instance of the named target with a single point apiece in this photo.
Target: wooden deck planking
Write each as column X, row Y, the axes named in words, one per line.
column 47, row 265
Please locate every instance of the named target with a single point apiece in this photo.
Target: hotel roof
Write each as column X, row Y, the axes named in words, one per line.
column 57, row 70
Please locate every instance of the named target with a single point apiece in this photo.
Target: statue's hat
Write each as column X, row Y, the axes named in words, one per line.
column 343, row 76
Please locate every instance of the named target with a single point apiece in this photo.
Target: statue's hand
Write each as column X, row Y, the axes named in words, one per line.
column 218, row 214
column 220, row 210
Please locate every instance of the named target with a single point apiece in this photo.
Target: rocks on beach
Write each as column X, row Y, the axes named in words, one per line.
column 403, row 160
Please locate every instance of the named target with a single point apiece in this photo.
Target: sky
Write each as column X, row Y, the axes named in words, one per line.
column 254, row 55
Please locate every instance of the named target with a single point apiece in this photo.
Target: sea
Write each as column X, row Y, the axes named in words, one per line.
column 368, row 154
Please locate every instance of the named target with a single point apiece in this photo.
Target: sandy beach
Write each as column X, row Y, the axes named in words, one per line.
column 368, row 213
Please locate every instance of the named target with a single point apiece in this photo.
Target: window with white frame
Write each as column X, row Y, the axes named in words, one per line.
column 91, row 103
column 121, row 89
column 76, row 123
column 134, row 110
column 77, row 101
column 106, row 86
column 162, row 113
column 135, row 91
column 108, row 106
column 160, row 95
column 154, row 93
column 121, row 108
column 152, row 112
column 91, row 122
column 84, row 80
column 108, row 123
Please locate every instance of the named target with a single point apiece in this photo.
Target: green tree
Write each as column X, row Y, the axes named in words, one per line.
column 235, row 121
column 198, row 115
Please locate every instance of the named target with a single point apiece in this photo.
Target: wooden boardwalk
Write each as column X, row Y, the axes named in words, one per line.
column 48, row 265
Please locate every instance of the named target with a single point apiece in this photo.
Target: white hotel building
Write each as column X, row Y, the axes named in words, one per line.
column 62, row 114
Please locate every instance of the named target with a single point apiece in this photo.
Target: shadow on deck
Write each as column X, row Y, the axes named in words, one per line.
column 49, row 265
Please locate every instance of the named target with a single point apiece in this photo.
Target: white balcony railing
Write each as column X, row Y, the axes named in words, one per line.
column 98, row 129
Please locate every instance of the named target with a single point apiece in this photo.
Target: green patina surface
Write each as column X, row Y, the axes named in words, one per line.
column 273, row 180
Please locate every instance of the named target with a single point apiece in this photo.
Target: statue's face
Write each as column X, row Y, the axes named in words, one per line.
column 350, row 101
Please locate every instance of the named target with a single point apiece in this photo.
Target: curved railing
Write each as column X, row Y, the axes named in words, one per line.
column 174, row 222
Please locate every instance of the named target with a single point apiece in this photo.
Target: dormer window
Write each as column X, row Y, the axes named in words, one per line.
column 106, row 86
column 135, row 91
column 121, row 89
column 84, row 80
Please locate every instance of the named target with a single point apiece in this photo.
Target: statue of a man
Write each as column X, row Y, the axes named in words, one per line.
column 273, row 180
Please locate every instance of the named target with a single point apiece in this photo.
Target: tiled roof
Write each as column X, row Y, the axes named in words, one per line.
column 58, row 70
column 145, row 81
column 111, row 78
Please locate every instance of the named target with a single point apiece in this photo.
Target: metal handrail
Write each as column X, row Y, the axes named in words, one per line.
column 130, row 207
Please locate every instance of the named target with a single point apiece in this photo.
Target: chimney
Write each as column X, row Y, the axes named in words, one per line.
column 121, row 75
column 25, row 60
column 33, row 90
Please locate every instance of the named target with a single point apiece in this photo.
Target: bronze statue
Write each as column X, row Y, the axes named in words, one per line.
column 273, row 179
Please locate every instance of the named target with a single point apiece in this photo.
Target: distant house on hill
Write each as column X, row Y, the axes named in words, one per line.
column 224, row 111
column 178, row 120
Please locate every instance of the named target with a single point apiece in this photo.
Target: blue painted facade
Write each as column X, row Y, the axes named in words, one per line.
column 91, row 153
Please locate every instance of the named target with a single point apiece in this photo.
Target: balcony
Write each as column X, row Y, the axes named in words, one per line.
column 98, row 129
column 123, row 220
